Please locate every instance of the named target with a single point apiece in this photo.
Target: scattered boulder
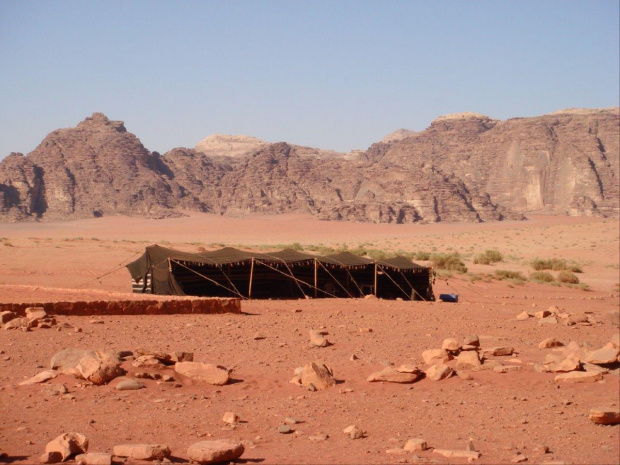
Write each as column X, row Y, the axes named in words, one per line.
column 559, row 364
column 317, row 338
column 467, row 360
column 450, row 345
column 64, row 447
column 182, row 357
column 318, row 375
column 466, row 454
column 391, row 375
column 318, row 437
column 285, row 429
column 416, row 444
column 499, row 351
column 472, row 340
column 68, row 359
column 542, row 314
column 142, row 451
column 507, row 368
column 16, row 323
column 54, row 389
column 550, row 320
column 434, row 356
column 100, row 369
column 439, row 372
column 94, row 458
column 221, row 450
column 523, row 316
column 33, row 313
column 605, row 416
column 204, row 372
column 5, row 317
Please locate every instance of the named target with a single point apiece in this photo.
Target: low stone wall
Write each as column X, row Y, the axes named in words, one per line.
column 131, row 307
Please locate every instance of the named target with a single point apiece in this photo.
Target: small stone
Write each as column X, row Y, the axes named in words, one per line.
column 450, row 345
column 467, row 454
column 259, row 336
column 148, row 361
column 365, row 330
column 221, row 450
column 605, row 416
column 507, row 368
column 317, row 338
column 550, row 320
column 472, row 340
column 523, row 316
column 353, row 357
column 438, row 372
column 518, row 458
column 291, row 421
column 499, row 351
column 318, row 375
column 142, row 451
column 354, row 432
column 416, row 444
column 129, row 385
column 285, row 429
column 434, row 356
column 54, row 389
column 231, row 418
column 549, row 343
column 467, row 360
column 318, row 437
column 542, row 314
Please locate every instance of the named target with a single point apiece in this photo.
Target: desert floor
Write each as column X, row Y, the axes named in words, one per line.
column 499, row 414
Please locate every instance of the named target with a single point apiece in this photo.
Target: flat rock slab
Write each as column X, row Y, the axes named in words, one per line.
column 142, row 451
column 40, row 378
column 579, row 377
column 129, row 385
column 390, row 375
column 94, row 458
column 221, row 450
column 466, row 454
column 439, row 372
column 603, row 356
column 605, row 416
column 203, row 372
column 318, row 375
column 69, row 358
column 468, row 360
column 434, row 356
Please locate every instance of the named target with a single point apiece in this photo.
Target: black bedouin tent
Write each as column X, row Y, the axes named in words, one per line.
column 286, row 274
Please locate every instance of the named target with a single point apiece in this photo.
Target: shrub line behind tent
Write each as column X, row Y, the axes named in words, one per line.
column 231, row 272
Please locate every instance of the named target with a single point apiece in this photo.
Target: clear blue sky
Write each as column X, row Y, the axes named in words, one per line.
column 331, row 74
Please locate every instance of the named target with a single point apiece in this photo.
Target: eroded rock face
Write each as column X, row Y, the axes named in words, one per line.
column 464, row 167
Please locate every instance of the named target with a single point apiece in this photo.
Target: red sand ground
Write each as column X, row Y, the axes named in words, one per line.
column 499, row 413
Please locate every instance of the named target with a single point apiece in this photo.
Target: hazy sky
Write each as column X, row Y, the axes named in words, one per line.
column 331, row 74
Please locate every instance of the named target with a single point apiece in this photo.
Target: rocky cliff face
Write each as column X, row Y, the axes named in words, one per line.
column 464, row 167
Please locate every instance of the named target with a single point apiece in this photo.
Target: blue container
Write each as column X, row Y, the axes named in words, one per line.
column 449, row 297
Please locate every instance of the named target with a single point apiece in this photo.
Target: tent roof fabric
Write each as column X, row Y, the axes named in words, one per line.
column 157, row 256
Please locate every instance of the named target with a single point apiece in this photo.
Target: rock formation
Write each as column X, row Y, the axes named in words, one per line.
column 464, row 167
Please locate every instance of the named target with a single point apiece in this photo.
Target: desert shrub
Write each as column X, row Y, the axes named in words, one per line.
column 488, row 257
column 451, row 262
column 542, row 276
column 575, row 268
column 422, row 256
column 568, row 277
column 555, row 264
column 506, row 274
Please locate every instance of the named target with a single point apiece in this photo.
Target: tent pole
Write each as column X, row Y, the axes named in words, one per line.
column 375, row 287
column 316, row 282
column 251, row 276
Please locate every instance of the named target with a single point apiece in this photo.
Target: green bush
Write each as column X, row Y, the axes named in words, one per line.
column 451, row 262
column 555, row 264
column 542, row 276
column 506, row 274
column 422, row 256
column 568, row 277
column 488, row 257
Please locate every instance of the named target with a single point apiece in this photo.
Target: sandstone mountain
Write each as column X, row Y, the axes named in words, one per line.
column 464, row 167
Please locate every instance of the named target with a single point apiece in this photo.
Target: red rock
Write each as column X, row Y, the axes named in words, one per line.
column 605, row 416
column 390, row 375
column 94, row 458
column 64, row 446
column 317, row 374
column 203, row 372
column 142, row 451
column 222, row 450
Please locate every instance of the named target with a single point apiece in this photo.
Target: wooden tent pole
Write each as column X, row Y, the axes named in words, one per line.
column 316, row 282
column 376, row 266
column 251, row 276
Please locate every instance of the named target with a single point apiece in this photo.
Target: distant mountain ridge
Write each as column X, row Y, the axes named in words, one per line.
column 463, row 167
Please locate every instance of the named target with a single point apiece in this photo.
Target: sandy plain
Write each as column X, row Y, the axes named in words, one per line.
column 500, row 414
